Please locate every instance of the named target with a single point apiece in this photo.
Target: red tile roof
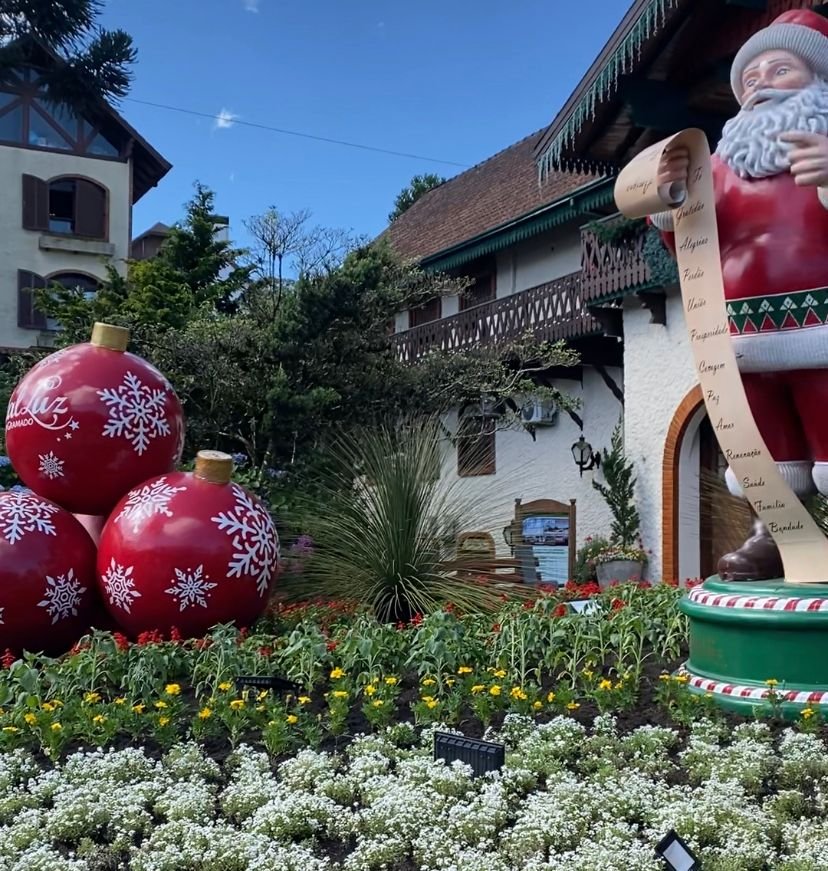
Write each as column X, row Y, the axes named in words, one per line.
column 494, row 192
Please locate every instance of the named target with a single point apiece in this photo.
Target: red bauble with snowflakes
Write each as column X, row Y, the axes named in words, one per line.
column 47, row 575
column 188, row 550
column 91, row 421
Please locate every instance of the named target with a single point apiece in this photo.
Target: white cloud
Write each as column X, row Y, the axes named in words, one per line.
column 224, row 120
column 251, row 5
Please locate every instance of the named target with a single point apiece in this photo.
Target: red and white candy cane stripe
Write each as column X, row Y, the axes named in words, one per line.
column 799, row 697
column 757, row 603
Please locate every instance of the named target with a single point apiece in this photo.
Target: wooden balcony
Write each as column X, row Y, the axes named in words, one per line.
column 609, row 269
column 552, row 311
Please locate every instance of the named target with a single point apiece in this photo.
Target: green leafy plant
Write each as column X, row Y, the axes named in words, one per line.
column 619, row 494
column 585, row 559
column 385, row 531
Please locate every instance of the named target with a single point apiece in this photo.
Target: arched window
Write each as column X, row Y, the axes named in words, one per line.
column 67, row 205
column 29, row 316
column 85, row 284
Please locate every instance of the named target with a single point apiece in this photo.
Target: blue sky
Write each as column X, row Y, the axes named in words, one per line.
column 454, row 80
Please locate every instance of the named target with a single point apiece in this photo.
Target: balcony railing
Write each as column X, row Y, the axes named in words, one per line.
column 612, row 268
column 552, row 311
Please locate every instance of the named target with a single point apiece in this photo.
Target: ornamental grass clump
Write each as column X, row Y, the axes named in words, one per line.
column 386, row 528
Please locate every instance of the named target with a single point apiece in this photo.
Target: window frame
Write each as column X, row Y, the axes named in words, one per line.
column 477, row 451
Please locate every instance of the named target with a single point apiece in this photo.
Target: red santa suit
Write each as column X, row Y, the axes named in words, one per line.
column 774, row 248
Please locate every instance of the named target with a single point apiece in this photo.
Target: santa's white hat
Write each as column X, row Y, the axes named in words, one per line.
column 802, row 32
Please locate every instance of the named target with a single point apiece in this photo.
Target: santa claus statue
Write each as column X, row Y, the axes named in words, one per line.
column 770, row 174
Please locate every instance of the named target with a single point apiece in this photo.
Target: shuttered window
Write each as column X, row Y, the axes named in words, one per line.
column 482, row 289
column 69, row 206
column 425, row 313
column 476, row 447
column 29, row 317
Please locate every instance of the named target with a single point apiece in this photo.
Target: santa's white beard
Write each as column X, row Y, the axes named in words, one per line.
column 750, row 143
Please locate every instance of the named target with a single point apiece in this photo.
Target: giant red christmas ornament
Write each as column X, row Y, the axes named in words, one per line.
column 91, row 421
column 189, row 550
column 47, row 574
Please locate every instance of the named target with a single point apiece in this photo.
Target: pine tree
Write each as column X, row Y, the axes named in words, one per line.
column 619, row 493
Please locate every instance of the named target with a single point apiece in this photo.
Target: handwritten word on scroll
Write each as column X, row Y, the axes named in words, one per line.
column 803, row 547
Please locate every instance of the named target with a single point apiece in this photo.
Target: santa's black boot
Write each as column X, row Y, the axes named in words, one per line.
column 756, row 560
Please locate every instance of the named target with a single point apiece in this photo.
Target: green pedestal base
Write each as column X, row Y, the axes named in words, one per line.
column 743, row 635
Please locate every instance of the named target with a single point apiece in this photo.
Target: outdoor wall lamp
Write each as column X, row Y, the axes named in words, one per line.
column 585, row 457
column 508, row 534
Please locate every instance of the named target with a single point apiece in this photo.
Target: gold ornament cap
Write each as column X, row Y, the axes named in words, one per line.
column 214, row 466
column 110, row 336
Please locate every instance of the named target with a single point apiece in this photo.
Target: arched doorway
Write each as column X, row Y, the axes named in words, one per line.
column 700, row 519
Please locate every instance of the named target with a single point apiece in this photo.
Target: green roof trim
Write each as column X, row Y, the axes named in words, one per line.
column 591, row 196
column 605, row 83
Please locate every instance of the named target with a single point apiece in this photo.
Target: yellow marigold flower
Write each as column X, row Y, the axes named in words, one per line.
column 428, row 682
column 57, row 702
column 260, row 708
column 477, row 688
column 450, row 681
column 172, row 689
column 292, row 719
column 236, row 704
column 664, row 676
column 517, row 693
column 303, row 700
column 378, row 703
column 205, row 714
column 119, row 701
column 370, row 690
column 160, row 704
column 99, row 718
column 494, row 690
column 340, row 694
column 10, row 729
column 92, row 698
column 337, row 673
column 605, row 684
column 682, row 678
column 550, row 697
column 56, row 727
column 139, row 709
column 262, row 696
column 428, row 698
column 431, row 703
column 573, row 706
column 163, row 721
column 772, row 682
column 30, row 719
column 47, row 706
column 225, row 685
column 807, row 713
column 391, row 681
column 588, row 673
column 537, row 705
column 619, row 685
column 500, row 673
column 464, row 669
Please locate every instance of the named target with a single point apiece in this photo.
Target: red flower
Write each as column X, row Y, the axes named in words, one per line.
column 78, row 648
column 401, row 625
column 529, row 605
column 496, row 627
column 265, row 651
column 644, row 585
column 332, row 645
column 121, row 641
column 672, row 583
column 560, row 611
column 153, row 636
column 618, row 604
column 203, row 643
column 8, row 659
column 416, row 619
column 175, row 635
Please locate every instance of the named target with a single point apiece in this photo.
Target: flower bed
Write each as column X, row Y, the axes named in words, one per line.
column 607, row 749
column 568, row 798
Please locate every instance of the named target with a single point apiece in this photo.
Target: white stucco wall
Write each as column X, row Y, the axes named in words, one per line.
column 19, row 248
column 538, row 260
column 658, row 373
column 544, row 468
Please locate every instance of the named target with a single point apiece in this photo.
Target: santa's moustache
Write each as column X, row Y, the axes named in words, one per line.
column 750, row 142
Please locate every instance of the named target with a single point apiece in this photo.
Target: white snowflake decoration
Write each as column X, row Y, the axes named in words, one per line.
column 50, row 465
column 21, row 513
column 62, row 597
column 192, row 587
column 255, row 542
column 119, row 583
column 147, row 501
column 136, row 412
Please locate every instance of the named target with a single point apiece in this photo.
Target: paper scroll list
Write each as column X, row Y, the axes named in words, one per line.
column 803, row 547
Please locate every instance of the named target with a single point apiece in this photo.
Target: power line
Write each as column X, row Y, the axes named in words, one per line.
column 301, row 135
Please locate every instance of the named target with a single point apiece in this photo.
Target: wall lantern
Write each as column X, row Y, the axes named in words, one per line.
column 508, row 534
column 585, row 457
column 675, row 854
